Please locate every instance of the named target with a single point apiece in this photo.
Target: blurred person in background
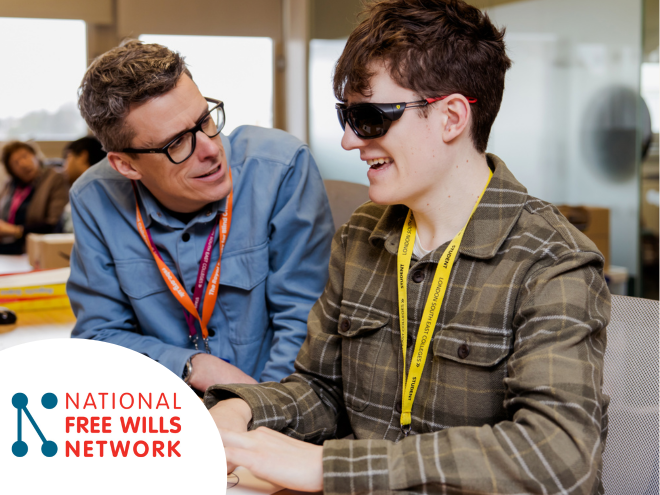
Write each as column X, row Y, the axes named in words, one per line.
column 79, row 155
column 32, row 201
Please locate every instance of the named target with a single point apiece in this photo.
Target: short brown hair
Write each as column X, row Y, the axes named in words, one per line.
column 432, row 47
column 12, row 147
column 130, row 73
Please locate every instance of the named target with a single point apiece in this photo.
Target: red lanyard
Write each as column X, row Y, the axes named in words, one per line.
column 20, row 195
column 173, row 284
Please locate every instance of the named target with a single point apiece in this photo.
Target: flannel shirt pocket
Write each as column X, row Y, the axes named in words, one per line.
column 363, row 339
column 477, row 346
column 469, row 367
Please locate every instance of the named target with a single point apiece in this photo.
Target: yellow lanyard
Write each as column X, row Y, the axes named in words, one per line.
column 431, row 308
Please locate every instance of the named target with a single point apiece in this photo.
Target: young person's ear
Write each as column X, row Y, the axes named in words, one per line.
column 122, row 164
column 457, row 116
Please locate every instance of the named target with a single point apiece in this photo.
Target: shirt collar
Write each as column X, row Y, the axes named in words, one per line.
column 489, row 227
column 156, row 213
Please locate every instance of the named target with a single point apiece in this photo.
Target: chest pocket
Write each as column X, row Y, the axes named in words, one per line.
column 244, row 269
column 363, row 337
column 469, row 367
column 475, row 346
column 140, row 278
column 242, row 295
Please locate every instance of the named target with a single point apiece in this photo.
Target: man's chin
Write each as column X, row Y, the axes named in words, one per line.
column 216, row 192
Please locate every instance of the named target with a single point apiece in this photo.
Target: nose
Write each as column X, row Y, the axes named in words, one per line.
column 350, row 140
column 207, row 148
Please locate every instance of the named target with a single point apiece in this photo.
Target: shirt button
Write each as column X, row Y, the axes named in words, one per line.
column 185, row 237
column 345, row 324
column 463, row 351
column 418, row 276
column 208, row 213
column 159, row 214
column 211, row 332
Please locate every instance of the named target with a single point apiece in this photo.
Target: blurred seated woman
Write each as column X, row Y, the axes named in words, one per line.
column 32, row 201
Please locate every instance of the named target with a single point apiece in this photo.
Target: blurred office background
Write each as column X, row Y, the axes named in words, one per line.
column 578, row 124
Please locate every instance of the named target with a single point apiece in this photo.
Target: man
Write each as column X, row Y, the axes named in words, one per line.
column 202, row 251
column 460, row 338
column 79, row 155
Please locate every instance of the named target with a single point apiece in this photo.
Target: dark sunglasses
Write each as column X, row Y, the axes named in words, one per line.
column 372, row 120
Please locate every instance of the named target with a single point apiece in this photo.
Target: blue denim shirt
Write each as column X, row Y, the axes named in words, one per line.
column 274, row 266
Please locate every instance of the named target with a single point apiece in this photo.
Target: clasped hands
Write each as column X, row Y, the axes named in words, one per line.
column 268, row 454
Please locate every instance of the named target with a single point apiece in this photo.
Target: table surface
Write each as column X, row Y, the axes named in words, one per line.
column 32, row 325
column 37, row 325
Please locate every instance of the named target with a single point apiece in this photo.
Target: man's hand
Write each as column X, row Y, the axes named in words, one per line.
column 275, row 457
column 210, row 370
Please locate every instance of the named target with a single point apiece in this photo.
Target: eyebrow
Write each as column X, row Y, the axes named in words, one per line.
column 174, row 136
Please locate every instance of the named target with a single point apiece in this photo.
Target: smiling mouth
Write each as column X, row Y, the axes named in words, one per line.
column 213, row 171
column 377, row 163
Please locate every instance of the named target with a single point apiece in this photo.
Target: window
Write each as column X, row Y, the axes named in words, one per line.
column 236, row 70
column 43, row 62
column 325, row 134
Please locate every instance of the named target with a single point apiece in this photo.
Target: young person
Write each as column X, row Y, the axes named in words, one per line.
column 461, row 335
column 202, row 251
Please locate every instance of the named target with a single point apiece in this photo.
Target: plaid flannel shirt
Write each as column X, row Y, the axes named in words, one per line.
column 510, row 397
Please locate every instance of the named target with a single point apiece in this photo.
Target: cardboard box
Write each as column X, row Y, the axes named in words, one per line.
column 592, row 221
column 47, row 251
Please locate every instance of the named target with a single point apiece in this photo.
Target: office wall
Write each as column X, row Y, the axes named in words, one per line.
column 91, row 11
column 200, row 17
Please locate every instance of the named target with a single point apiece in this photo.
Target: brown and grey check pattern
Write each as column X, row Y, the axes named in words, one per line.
column 518, row 410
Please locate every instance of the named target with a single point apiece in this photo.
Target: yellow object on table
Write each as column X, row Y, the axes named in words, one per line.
column 37, row 290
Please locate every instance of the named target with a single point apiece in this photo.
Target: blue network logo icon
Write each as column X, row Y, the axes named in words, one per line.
column 20, row 401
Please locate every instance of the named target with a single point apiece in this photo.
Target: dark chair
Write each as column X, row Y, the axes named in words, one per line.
column 344, row 198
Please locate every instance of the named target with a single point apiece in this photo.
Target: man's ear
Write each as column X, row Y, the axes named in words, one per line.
column 123, row 164
column 457, row 116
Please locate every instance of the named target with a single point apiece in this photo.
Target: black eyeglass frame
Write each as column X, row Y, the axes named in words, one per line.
column 389, row 112
column 198, row 127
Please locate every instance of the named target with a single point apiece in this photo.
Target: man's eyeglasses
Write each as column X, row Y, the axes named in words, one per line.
column 372, row 120
column 179, row 149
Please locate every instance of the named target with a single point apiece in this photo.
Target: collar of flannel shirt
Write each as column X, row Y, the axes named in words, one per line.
column 505, row 198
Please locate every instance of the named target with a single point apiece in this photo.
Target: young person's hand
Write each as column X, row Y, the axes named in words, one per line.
column 277, row 458
column 209, row 370
column 231, row 415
